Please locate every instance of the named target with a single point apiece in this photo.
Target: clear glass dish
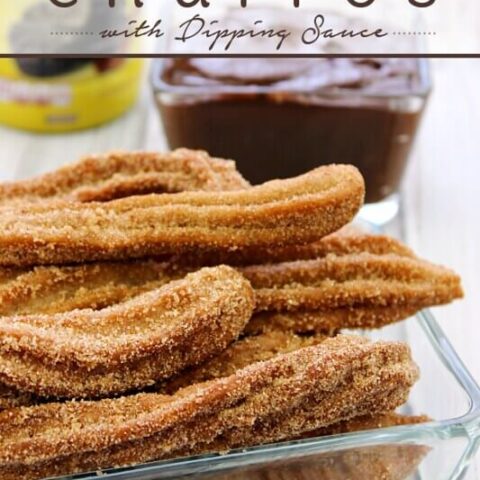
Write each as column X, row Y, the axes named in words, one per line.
column 440, row 450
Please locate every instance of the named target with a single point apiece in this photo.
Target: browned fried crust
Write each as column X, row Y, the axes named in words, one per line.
column 334, row 381
column 264, row 347
column 298, row 210
column 122, row 174
column 299, row 419
column 151, row 337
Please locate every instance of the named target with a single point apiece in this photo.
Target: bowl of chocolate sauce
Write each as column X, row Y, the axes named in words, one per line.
column 279, row 117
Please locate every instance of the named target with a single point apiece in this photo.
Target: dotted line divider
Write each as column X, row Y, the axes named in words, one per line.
column 73, row 33
column 413, row 33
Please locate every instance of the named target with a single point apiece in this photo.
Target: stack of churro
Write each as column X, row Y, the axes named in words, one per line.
column 157, row 306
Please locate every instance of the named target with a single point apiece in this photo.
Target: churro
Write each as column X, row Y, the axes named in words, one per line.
column 281, row 212
column 121, row 174
column 339, row 379
column 346, row 287
column 240, row 354
column 353, row 281
column 56, row 289
column 129, row 346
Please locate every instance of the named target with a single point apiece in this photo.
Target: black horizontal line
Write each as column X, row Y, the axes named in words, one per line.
column 234, row 55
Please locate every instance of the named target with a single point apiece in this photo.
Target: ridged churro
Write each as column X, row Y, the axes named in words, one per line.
column 371, row 292
column 240, row 354
column 339, row 379
column 281, row 212
column 129, row 346
column 350, row 282
column 121, row 174
column 344, row 288
column 284, row 425
column 56, row 289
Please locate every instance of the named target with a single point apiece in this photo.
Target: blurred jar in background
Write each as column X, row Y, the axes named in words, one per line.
column 47, row 94
column 65, row 94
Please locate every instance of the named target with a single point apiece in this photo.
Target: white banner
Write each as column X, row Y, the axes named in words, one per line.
column 264, row 27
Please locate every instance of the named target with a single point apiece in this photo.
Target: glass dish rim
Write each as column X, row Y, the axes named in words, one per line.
column 467, row 425
column 161, row 87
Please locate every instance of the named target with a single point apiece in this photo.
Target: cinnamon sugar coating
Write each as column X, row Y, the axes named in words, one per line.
column 344, row 288
column 56, row 289
column 83, row 353
column 297, row 392
column 352, row 281
column 281, row 212
column 240, row 354
column 123, row 174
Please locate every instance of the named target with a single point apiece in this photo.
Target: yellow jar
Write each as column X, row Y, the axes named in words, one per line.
column 92, row 92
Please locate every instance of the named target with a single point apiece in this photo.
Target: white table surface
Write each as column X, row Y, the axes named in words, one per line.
column 441, row 192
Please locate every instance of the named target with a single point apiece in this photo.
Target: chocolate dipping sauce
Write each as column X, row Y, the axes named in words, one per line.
column 281, row 117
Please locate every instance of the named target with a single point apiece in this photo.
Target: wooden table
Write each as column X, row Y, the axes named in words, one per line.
column 441, row 192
